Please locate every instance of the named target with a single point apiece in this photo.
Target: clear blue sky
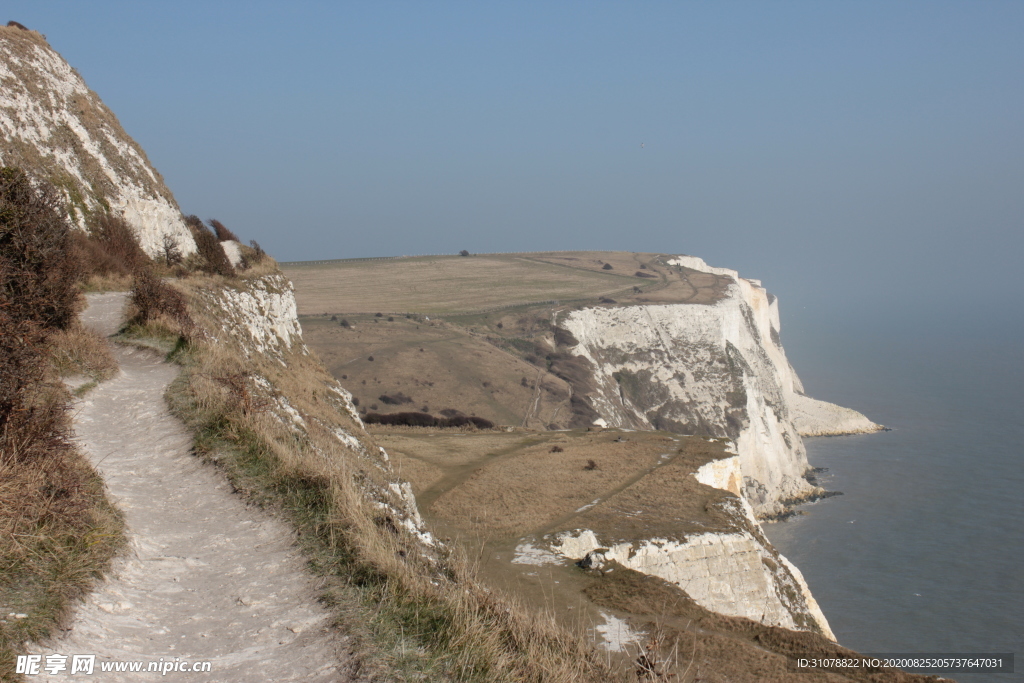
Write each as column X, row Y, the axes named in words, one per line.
column 853, row 155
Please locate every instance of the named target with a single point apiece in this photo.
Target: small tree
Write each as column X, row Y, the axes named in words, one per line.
column 171, row 251
column 464, row 252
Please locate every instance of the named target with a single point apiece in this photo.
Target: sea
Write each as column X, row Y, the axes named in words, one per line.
column 924, row 551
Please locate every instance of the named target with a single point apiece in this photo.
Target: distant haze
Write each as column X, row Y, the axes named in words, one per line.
column 862, row 158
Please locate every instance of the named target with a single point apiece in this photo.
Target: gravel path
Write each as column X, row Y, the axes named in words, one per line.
column 205, row 577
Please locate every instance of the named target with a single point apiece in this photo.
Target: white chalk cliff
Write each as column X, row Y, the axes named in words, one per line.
column 57, row 129
column 715, row 369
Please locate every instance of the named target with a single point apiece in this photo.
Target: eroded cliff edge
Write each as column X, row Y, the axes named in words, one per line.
column 715, row 369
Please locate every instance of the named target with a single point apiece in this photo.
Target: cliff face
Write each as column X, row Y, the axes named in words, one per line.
column 55, row 128
column 256, row 320
column 718, row 370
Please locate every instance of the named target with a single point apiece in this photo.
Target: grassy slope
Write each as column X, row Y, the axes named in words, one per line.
column 492, row 490
column 413, row 613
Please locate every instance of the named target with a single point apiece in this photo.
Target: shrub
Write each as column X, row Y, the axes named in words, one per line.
column 223, row 234
column 110, row 248
column 464, row 252
column 378, row 315
column 370, row 358
column 38, row 265
column 414, row 419
column 345, row 323
column 640, row 273
column 212, row 255
column 152, row 298
column 557, row 449
column 260, row 254
column 591, row 465
column 606, row 266
column 394, row 400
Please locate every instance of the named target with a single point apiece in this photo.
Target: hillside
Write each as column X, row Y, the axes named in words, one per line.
column 598, row 434
column 55, row 128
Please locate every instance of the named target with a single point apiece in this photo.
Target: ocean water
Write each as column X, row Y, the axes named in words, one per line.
column 924, row 552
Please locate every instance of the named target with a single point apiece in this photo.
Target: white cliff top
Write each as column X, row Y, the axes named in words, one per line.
column 55, row 128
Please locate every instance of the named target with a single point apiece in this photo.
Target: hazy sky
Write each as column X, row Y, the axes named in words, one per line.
column 854, row 155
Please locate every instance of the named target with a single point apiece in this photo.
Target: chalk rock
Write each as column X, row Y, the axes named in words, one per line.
column 56, row 129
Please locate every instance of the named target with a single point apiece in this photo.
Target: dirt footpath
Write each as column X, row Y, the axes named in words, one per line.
column 205, row 578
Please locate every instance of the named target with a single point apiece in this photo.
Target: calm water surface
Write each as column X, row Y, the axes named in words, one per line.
column 924, row 552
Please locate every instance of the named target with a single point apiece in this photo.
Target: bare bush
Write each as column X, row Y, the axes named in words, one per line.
column 153, row 299
column 171, row 252
column 211, row 254
column 222, row 232
column 260, row 254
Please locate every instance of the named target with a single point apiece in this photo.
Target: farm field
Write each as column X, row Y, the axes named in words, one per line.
column 453, row 285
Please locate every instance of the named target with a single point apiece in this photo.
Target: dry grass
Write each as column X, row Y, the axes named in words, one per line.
column 510, row 485
column 456, row 369
column 414, row 611
column 80, row 351
column 711, row 647
column 58, row 534
column 442, row 285
column 453, row 285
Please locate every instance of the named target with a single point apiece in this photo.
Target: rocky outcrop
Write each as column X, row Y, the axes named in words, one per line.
column 714, row 369
column 55, row 128
column 257, row 317
column 733, row 570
